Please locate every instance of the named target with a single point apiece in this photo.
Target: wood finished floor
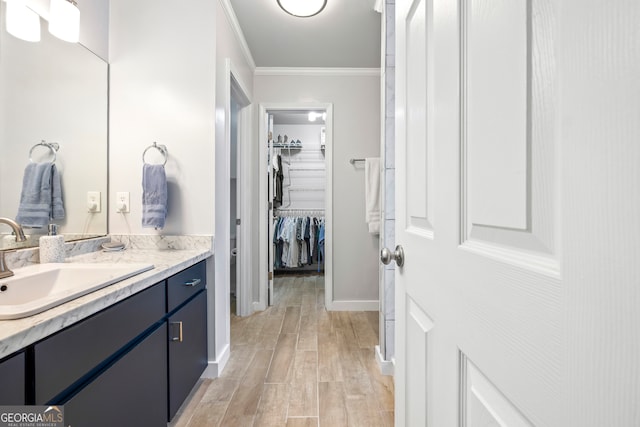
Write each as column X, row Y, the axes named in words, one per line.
column 297, row 365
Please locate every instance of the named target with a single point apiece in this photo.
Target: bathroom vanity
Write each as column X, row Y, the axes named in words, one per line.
column 128, row 354
column 12, row 372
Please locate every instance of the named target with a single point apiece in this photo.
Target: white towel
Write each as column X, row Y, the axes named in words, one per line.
column 372, row 193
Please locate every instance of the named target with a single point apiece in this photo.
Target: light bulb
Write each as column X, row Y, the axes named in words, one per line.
column 313, row 116
column 22, row 22
column 64, row 20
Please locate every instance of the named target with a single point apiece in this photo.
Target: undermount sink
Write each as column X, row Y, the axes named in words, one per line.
column 39, row 287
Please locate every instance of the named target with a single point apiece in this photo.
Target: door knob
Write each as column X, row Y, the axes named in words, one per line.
column 386, row 256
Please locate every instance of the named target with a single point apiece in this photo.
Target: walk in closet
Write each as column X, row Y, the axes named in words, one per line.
column 297, row 181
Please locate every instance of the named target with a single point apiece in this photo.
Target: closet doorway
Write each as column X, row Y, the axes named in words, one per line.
column 234, row 203
column 297, row 142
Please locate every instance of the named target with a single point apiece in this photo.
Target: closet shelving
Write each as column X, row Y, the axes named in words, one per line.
column 291, row 146
column 294, row 145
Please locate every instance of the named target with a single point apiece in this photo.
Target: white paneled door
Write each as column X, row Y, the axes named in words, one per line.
column 518, row 208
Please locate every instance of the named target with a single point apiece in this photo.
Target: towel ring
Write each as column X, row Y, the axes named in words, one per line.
column 161, row 148
column 52, row 146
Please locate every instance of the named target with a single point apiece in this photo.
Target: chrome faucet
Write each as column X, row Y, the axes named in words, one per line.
column 20, row 237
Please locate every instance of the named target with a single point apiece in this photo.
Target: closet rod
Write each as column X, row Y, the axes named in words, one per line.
column 353, row 161
column 299, row 212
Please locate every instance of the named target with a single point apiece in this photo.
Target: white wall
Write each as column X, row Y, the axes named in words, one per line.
column 163, row 89
column 356, row 133
column 304, row 168
column 230, row 47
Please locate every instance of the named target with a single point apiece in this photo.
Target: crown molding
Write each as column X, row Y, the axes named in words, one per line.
column 237, row 31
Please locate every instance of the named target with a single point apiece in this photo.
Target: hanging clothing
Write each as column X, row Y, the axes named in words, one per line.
column 321, row 242
column 307, row 238
column 294, row 239
column 278, row 175
column 313, row 235
column 278, row 247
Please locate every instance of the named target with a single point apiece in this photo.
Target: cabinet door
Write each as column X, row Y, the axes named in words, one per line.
column 132, row 392
column 187, row 349
column 12, row 380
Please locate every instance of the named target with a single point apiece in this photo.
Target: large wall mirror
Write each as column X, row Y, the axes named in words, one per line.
column 54, row 91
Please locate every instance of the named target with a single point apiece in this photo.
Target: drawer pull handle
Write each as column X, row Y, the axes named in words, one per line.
column 193, row 282
column 179, row 337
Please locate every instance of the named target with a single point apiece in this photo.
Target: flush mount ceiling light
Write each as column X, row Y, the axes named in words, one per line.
column 64, row 20
column 313, row 116
column 302, row 8
column 22, row 22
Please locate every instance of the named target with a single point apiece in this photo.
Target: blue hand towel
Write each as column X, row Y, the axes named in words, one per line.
column 41, row 197
column 154, row 196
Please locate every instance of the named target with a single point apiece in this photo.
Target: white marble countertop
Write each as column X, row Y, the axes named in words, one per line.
column 19, row 333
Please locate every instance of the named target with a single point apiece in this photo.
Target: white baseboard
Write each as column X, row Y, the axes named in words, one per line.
column 258, row 306
column 215, row 367
column 386, row 366
column 370, row 305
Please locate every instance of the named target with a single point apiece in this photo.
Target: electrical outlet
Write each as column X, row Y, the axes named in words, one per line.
column 122, row 202
column 93, row 202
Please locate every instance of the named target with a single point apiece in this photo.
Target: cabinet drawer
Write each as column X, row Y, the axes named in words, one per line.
column 67, row 356
column 132, row 392
column 182, row 286
column 12, row 380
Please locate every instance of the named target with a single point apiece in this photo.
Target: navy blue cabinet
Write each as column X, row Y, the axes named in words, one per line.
column 133, row 363
column 187, row 349
column 76, row 351
column 12, row 380
column 186, row 284
column 131, row 392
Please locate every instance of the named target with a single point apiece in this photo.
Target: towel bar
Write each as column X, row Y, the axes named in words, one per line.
column 161, row 148
column 53, row 146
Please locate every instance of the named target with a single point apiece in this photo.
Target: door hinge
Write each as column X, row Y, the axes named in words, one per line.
column 271, row 275
column 270, row 205
column 237, row 221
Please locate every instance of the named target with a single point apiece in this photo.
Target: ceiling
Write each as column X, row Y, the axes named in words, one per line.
column 345, row 34
column 297, row 117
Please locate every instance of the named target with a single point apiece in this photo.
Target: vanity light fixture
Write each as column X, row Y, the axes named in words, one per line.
column 22, row 22
column 64, row 20
column 302, row 8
